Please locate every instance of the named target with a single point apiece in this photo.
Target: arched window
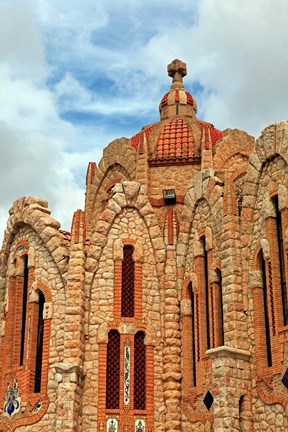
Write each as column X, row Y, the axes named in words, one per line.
column 24, row 308
column 205, row 289
column 39, row 346
column 113, row 370
column 128, row 283
column 281, row 259
column 219, row 310
column 139, row 371
column 245, row 416
column 265, row 312
column 193, row 338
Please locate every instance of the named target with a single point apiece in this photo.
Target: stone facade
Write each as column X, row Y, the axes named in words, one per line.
column 160, row 311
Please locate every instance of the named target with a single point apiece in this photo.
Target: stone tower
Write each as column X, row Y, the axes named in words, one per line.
column 165, row 308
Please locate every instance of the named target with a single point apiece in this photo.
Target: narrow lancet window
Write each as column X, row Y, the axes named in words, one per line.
column 128, row 282
column 39, row 347
column 265, row 307
column 139, row 371
column 24, row 308
column 194, row 376
column 206, row 290
column 281, row 260
column 113, row 370
column 219, row 309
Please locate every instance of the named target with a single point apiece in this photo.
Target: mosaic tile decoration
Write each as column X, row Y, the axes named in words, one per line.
column 126, row 374
column 37, row 407
column 139, row 425
column 12, row 400
column 112, row 425
column 21, row 249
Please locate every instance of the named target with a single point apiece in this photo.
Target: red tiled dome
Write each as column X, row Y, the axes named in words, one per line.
column 175, row 142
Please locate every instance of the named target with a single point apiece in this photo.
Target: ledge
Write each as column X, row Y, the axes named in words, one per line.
column 225, row 351
column 69, row 367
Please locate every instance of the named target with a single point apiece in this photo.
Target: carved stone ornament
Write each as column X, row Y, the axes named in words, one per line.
column 34, row 293
column 286, row 239
column 47, row 311
column 150, row 336
column 268, row 208
column 194, row 281
column 118, row 250
column 138, row 252
column 208, row 236
column 283, row 197
column 255, row 279
column 186, row 307
column 266, row 248
column 103, row 333
column 127, row 328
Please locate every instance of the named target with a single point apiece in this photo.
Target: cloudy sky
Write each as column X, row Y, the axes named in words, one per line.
column 75, row 75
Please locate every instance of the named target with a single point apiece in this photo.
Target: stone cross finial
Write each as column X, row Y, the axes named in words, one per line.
column 177, row 69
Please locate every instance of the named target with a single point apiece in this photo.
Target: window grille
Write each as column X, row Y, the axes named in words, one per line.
column 113, row 370
column 128, row 280
column 139, row 371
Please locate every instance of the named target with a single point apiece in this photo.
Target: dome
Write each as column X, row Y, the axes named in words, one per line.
column 175, row 142
column 179, row 137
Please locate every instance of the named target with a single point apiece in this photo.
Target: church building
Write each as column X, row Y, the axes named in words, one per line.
column 165, row 308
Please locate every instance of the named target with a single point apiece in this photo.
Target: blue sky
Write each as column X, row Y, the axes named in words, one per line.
column 74, row 76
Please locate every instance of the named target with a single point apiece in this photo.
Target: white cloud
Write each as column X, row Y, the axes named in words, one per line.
column 107, row 60
column 33, row 138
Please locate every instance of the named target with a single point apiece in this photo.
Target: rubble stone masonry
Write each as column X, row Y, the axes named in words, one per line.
column 203, row 345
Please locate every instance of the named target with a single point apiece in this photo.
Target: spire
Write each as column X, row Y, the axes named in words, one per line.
column 177, row 70
column 177, row 102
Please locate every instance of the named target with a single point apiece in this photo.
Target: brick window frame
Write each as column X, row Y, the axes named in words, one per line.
column 263, row 313
column 10, row 352
column 119, row 246
column 193, row 363
column 204, row 303
column 193, row 389
column 190, row 335
column 277, row 264
column 267, row 370
column 202, row 262
column 216, row 307
column 128, row 411
column 269, row 245
column 113, row 370
column 128, row 328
